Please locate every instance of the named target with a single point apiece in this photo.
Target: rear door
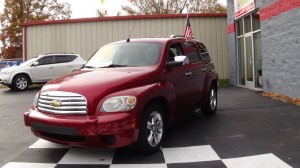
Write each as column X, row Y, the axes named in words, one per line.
column 62, row 65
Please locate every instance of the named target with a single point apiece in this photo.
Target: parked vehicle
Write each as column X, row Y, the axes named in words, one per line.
column 40, row 69
column 128, row 93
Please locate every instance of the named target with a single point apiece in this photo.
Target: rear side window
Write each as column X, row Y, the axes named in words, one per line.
column 191, row 52
column 72, row 57
column 61, row 59
column 202, row 49
column 46, row 60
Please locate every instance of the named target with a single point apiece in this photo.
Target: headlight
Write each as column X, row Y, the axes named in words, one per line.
column 6, row 72
column 35, row 100
column 119, row 103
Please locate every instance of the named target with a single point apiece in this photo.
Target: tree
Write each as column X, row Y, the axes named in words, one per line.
column 102, row 12
column 17, row 12
column 150, row 7
column 206, row 6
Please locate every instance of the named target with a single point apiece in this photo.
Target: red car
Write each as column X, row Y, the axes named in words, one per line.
column 128, row 93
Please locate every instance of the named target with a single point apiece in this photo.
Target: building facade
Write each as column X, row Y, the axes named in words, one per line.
column 85, row 36
column 264, row 45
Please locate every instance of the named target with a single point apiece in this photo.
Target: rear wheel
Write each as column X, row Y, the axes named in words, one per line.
column 20, row 82
column 152, row 129
column 210, row 106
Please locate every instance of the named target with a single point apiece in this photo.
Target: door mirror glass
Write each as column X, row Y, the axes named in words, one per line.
column 182, row 58
column 179, row 60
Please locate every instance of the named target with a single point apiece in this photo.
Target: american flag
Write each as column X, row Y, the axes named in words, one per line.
column 188, row 30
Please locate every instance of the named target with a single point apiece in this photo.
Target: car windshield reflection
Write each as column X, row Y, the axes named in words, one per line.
column 131, row 54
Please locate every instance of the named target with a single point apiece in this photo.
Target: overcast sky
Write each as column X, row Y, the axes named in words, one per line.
column 87, row 8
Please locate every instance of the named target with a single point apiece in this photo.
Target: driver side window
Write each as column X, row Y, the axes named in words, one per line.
column 46, row 60
column 174, row 50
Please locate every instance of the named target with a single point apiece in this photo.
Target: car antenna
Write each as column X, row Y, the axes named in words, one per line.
column 128, row 39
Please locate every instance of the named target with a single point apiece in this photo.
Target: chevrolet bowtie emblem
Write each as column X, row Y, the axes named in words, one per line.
column 55, row 103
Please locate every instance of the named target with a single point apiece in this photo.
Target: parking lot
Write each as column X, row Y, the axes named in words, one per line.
column 248, row 130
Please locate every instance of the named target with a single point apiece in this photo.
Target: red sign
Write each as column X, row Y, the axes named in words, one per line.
column 242, row 7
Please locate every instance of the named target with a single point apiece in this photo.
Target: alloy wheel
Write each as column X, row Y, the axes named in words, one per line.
column 213, row 99
column 21, row 83
column 154, row 128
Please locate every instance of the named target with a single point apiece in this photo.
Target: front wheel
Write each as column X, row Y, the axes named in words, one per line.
column 20, row 82
column 152, row 129
column 210, row 106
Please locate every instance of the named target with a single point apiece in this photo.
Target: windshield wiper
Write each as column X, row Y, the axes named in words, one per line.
column 114, row 65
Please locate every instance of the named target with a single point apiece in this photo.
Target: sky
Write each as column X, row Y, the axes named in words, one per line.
column 87, row 8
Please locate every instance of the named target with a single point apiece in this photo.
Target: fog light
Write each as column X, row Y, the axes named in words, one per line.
column 109, row 139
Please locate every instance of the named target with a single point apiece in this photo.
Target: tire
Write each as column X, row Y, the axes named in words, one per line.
column 211, row 104
column 152, row 129
column 20, row 82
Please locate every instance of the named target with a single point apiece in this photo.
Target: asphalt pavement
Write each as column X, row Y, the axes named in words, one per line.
column 248, row 129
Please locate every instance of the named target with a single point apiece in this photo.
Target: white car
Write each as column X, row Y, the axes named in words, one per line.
column 40, row 69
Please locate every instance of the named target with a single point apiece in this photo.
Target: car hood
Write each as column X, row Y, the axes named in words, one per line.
column 98, row 83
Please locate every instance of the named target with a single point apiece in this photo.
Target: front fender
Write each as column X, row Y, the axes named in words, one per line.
column 144, row 95
column 20, row 72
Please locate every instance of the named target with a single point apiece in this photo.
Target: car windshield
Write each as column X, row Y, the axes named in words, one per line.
column 28, row 62
column 131, row 54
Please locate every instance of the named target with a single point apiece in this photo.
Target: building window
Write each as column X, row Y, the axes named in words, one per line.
column 247, row 23
column 240, row 29
column 255, row 21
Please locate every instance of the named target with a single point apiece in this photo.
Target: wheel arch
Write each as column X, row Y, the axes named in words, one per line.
column 163, row 103
column 25, row 74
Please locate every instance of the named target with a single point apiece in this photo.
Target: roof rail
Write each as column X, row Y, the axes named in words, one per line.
column 175, row 36
column 59, row 53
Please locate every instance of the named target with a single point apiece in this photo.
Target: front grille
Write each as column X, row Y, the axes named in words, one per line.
column 59, row 102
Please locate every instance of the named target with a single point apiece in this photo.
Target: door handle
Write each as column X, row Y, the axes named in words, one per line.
column 50, row 67
column 188, row 73
column 251, row 60
column 203, row 69
column 70, row 66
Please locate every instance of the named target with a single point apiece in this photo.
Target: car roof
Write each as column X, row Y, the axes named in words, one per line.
column 155, row 39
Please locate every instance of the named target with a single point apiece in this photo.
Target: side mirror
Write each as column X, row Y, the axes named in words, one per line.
column 179, row 60
column 35, row 63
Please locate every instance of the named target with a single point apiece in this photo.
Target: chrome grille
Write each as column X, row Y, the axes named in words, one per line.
column 59, row 102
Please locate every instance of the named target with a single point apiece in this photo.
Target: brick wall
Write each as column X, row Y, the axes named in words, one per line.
column 233, row 76
column 281, row 52
column 280, row 30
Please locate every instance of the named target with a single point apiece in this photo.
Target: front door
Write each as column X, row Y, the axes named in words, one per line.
column 249, row 58
column 249, row 66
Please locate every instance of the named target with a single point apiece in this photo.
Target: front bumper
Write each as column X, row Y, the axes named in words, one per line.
column 5, row 79
column 110, row 130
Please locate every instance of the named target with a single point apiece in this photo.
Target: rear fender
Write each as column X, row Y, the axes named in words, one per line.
column 210, row 76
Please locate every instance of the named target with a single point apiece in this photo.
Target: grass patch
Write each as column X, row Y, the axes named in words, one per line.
column 2, row 86
column 224, row 82
column 34, row 86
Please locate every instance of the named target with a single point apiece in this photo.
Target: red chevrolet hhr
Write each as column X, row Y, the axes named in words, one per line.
column 127, row 93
